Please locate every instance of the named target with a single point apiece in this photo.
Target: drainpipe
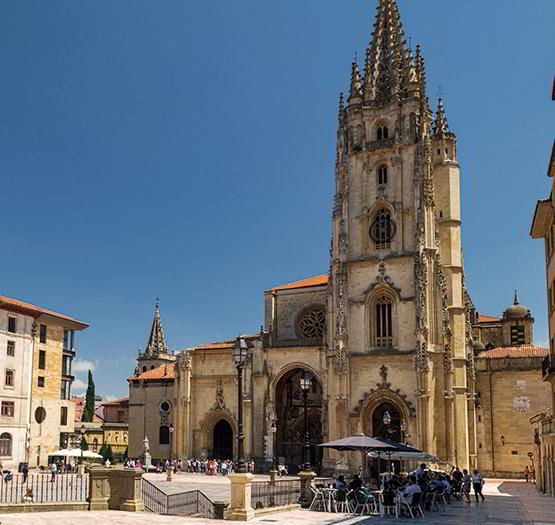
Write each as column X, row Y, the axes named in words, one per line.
column 491, row 424
column 30, row 394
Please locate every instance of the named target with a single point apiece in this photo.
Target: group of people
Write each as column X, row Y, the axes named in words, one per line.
column 210, row 467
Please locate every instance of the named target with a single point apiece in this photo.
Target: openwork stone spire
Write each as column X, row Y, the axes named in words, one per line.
column 441, row 128
column 156, row 342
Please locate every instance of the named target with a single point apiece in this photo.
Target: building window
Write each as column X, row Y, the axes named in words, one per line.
column 120, row 416
column 164, row 435
column 66, row 365
column 12, row 324
column 382, row 133
column 66, row 389
column 7, row 408
column 43, row 329
column 63, row 416
column 9, row 379
column 517, row 335
column 5, row 444
column 42, row 359
column 311, row 323
column 40, row 381
column 382, row 175
column 40, row 415
column 68, row 340
column 382, row 230
column 10, row 350
column 383, row 320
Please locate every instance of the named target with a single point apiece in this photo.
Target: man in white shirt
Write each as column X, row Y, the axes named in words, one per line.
column 420, row 473
column 411, row 489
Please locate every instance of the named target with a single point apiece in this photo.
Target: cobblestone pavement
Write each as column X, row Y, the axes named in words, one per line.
column 507, row 503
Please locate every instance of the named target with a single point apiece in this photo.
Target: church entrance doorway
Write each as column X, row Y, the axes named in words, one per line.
column 222, row 439
column 290, row 437
column 386, row 423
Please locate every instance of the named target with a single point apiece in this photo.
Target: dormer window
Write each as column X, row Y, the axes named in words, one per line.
column 383, row 132
column 382, row 175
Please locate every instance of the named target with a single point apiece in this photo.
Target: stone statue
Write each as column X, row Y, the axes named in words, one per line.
column 146, row 445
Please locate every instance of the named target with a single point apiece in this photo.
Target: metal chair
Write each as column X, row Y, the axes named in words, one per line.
column 317, row 500
column 414, row 505
column 366, row 504
column 341, row 501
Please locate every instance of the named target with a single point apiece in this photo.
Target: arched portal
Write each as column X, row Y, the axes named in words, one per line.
column 222, row 439
column 290, row 435
column 385, row 422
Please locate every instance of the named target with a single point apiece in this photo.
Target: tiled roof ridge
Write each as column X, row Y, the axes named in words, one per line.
column 224, row 342
column 28, row 306
column 488, row 318
column 515, row 351
column 116, row 401
column 316, row 280
column 160, row 372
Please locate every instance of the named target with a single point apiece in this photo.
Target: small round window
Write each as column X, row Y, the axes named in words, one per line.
column 40, row 415
column 165, row 406
column 311, row 323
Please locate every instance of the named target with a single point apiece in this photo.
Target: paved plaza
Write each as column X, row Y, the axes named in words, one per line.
column 507, row 503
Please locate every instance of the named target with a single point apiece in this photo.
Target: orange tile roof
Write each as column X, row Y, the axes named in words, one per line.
column 120, row 401
column 228, row 343
column 318, row 280
column 80, row 406
column 488, row 319
column 33, row 310
column 516, row 351
column 162, row 372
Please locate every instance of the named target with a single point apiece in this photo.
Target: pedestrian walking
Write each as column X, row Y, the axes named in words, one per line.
column 54, row 471
column 526, row 473
column 465, row 487
column 25, row 473
column 477, row 484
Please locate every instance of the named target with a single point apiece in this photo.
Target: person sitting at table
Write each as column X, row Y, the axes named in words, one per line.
column 356, row 483
column 340, row 483
column 411, row 489
column 373, row 484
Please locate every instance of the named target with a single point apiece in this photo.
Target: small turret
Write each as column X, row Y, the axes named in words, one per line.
column 356, row 82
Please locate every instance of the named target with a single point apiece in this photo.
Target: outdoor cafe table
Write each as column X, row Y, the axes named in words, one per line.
column 328, row 493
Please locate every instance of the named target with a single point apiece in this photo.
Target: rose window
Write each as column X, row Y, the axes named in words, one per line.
column 311, row 323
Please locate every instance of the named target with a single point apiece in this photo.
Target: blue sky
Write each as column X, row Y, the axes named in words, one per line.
column 185, row 150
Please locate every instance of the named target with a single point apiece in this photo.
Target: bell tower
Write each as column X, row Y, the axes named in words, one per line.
column 396, row 295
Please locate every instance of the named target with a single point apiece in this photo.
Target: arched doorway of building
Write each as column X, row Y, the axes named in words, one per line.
column 222, row 439
column 290, row 435
column 386, row 423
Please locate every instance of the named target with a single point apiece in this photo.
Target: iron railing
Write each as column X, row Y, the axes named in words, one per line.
column 187, row 503
column 265, row 494
column 42, row 488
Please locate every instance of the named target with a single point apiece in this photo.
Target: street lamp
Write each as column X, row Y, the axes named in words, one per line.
column 240, row 355
column 82, row 431
column 403, row 430
column 171, row 440
column 306, row 383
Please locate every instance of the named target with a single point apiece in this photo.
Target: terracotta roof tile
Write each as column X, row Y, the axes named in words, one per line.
column 489, row 319
column 228, row 343
column 318, row 280
column 31, row 308
column 516, row 351
column 116, row 401
column 162, row 372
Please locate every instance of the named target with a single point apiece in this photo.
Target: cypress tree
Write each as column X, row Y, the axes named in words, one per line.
column 88, row 411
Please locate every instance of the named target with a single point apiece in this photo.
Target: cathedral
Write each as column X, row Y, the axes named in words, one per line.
column 389, row 335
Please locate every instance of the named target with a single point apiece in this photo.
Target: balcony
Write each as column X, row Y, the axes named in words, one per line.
column 548, row 367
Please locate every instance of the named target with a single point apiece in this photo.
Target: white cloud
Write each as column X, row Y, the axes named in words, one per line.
column 81, row 365
column 78, row 385
column 108, row 398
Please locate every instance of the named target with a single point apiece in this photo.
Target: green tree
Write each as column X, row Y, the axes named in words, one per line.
column 109, row 454
column 88, row 411
column 85, row 444
column 126, row 454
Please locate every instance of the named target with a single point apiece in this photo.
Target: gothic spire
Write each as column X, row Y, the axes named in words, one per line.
column 516, row 299
column 441, row 128
column 156, row 342
column 356, row 81
column 387, row 68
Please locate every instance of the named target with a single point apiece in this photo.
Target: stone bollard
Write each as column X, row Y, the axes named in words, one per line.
column 80, row 469
column 219, row 509
column 240, row 507
column 169, row 474
column 306, row 481
column 99, row 489
column 115, row 489
column 273, row 474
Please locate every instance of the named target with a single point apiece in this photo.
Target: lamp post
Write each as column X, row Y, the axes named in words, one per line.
column 82, row 431
column 306, row 383
column 388, row 430
column 403, row 431
column 240, row 355
column 171, row 439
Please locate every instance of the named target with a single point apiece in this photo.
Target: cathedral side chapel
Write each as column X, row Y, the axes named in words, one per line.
column 389, row 329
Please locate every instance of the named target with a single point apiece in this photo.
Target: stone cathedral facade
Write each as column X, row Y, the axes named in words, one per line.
column 388, row 329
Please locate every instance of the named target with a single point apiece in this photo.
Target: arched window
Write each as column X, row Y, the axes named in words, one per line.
column 382, row 230
column 382, row 132
column 164, row 435
column 383, row 322
column 5, row 444
column 382, row 175
column 144, row 368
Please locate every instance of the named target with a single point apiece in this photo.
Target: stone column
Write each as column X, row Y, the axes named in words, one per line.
column 169, row 474
column 306, row 493
column 240, row 507
column 99, row 489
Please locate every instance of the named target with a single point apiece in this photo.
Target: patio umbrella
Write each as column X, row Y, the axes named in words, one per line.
column 63, row 452
column 363, row 444
column 401, row 448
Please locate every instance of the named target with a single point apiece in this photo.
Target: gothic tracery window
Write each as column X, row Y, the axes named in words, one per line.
column 382, row 132
column 382, row 230
column 311, row 323
column 382, row 175
column 383, row 322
